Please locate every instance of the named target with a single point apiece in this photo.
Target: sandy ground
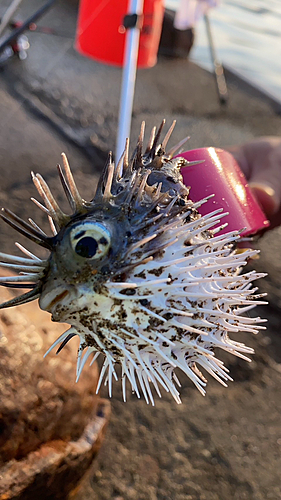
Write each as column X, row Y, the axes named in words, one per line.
column 226, row 445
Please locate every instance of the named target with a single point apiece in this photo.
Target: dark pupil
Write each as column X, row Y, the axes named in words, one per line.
column 86, row 247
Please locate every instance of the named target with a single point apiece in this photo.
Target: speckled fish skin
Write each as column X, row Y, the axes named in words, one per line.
column 139, row 274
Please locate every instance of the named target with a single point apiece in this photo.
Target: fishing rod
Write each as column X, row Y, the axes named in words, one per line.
column 4, row 22
column 45, row 30
column 218, row 68
column 12, row 39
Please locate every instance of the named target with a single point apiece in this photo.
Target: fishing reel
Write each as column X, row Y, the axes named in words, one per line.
column 16, row 42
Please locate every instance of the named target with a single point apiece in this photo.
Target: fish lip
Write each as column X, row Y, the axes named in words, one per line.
column 49, row 300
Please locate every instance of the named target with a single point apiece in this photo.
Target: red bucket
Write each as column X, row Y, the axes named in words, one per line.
column 101, row 35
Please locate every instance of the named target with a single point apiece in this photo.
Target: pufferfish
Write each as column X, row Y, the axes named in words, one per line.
column 139, row 275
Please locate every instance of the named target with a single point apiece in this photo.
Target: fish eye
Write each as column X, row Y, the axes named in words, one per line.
column 90, row 240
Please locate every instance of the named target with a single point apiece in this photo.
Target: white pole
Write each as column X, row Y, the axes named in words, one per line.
column 128, row 79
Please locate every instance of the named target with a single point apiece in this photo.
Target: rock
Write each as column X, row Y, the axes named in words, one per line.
column 50, row 427
column 55, row 469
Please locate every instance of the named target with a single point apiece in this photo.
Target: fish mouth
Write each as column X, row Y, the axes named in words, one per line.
column 48, row 301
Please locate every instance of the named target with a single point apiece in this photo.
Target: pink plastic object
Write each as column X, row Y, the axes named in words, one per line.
column 220, row 175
